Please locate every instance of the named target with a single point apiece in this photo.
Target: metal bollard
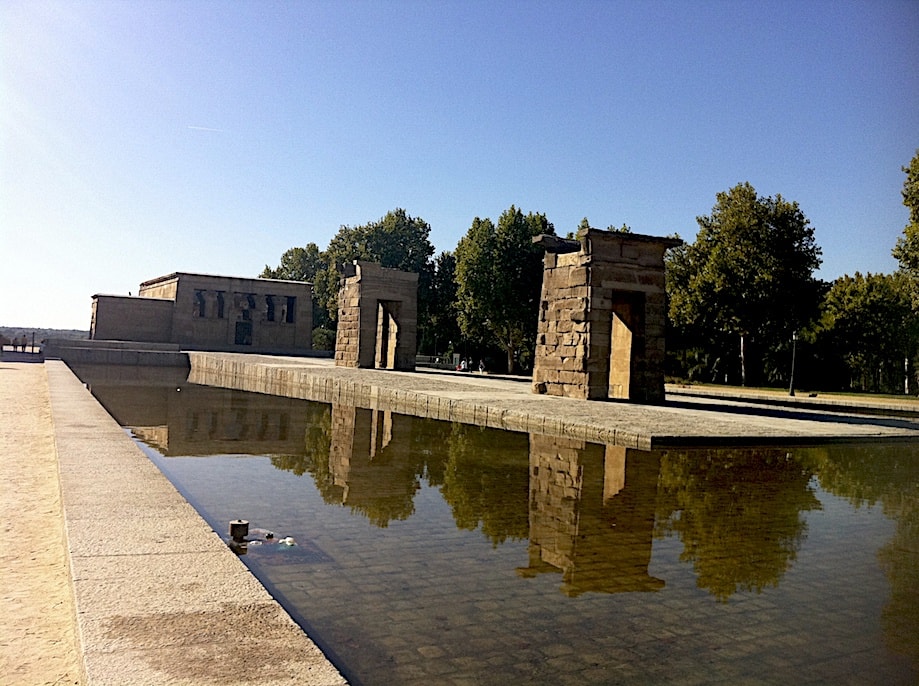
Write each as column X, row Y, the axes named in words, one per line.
column 239, row 529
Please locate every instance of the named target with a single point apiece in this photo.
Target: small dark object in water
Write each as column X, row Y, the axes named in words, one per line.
column 239, row 529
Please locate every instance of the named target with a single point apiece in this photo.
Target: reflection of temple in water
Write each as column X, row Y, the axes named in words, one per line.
column 180, row 419
column 371, row 463
column 589, row 518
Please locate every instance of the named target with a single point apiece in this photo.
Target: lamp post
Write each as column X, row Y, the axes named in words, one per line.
column 794, row 345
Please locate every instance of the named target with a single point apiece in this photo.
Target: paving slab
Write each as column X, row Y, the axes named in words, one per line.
column 160, row 598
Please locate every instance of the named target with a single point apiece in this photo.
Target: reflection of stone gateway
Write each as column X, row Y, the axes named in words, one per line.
column 602, row 316
column 590, row 516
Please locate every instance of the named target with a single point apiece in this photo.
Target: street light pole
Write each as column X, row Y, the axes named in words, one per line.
column 794, row 345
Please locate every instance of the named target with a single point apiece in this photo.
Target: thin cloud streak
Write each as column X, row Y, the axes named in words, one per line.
column 206, row 128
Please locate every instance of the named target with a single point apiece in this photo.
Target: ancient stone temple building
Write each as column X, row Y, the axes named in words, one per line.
column 602, row 317
column 377, row 318
column 206, row 312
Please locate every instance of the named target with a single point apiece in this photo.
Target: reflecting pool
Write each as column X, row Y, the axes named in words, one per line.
column 438, row 553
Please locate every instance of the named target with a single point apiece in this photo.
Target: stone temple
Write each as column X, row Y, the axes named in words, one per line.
column 207, row 312
column 602, row 317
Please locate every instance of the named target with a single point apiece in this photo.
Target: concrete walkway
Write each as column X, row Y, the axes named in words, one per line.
column 38, row 642
column 158, row 596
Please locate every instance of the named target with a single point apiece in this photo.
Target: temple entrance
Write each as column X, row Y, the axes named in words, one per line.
column 625, row 332
column 602, row 317
column 377, row 318
column 387, row 334
column 243, row 333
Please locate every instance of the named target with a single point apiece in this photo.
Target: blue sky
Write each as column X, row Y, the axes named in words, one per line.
column 142, row 138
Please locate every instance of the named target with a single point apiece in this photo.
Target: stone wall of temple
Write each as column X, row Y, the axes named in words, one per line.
column 602, row 317
column 120, row 318
column 203, row 312
column 377, row 318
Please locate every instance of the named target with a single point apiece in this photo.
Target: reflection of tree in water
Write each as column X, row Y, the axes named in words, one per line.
column 889, row 474
column 737, row 512
column 315, row 456
column 371, row 461
column 486, row 481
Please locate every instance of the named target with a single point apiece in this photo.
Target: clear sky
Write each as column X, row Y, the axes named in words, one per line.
column 143, row 138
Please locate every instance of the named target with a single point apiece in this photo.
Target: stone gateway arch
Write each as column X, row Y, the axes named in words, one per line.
column 602, row 317
column 377, row 318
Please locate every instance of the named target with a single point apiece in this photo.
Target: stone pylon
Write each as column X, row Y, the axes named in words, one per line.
column 602, row 317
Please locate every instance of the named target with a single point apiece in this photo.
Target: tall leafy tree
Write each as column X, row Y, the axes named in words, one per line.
column 499, row 279
column 396, row 240
column 869, row 323
column 748, row 276
column 907, row 248
column 297, row 264
column 442, row 317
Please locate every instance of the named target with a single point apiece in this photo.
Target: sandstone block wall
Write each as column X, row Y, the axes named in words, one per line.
column 602, row 317
column 377, row 318
column 199, row 311
column 119, row 318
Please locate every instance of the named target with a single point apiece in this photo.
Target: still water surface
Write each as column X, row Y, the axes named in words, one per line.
column 438, row 553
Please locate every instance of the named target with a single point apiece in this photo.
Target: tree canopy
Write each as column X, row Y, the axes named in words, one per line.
column 907, row 249
column 749, row 274
column 396, row 240
column 297, row 264
column 868, row 322
column 499, row 279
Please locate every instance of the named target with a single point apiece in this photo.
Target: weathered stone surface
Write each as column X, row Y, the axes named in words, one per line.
column 377, row 318
column 602, row 319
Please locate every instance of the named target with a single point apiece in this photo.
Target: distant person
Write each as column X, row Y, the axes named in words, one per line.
column 481, row 366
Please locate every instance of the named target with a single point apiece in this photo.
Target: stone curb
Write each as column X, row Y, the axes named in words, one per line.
column 160, row 598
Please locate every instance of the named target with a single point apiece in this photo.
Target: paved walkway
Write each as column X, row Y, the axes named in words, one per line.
column 158, row 597
column 693, row 415
column 38, row 643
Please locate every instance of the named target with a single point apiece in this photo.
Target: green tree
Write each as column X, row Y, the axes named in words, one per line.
column 304, row 264
column 748, row 277
column 869, row 323
column 907, row 248
column 297, row 264
column 442, row 326
column 499, row 279
column 396, row 240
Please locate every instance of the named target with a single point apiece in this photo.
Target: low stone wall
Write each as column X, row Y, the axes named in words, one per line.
column 354, row 387
column 115, row 353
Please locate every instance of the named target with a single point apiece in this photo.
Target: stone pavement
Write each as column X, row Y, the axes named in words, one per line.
column 110, row 577
column 159, row 597
column 689, row 416
column 38, row 643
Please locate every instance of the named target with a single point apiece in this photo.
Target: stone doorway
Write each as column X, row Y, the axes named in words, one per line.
column 377, row 318
column 387, row 340
column 602, row 315
column 626, row 342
